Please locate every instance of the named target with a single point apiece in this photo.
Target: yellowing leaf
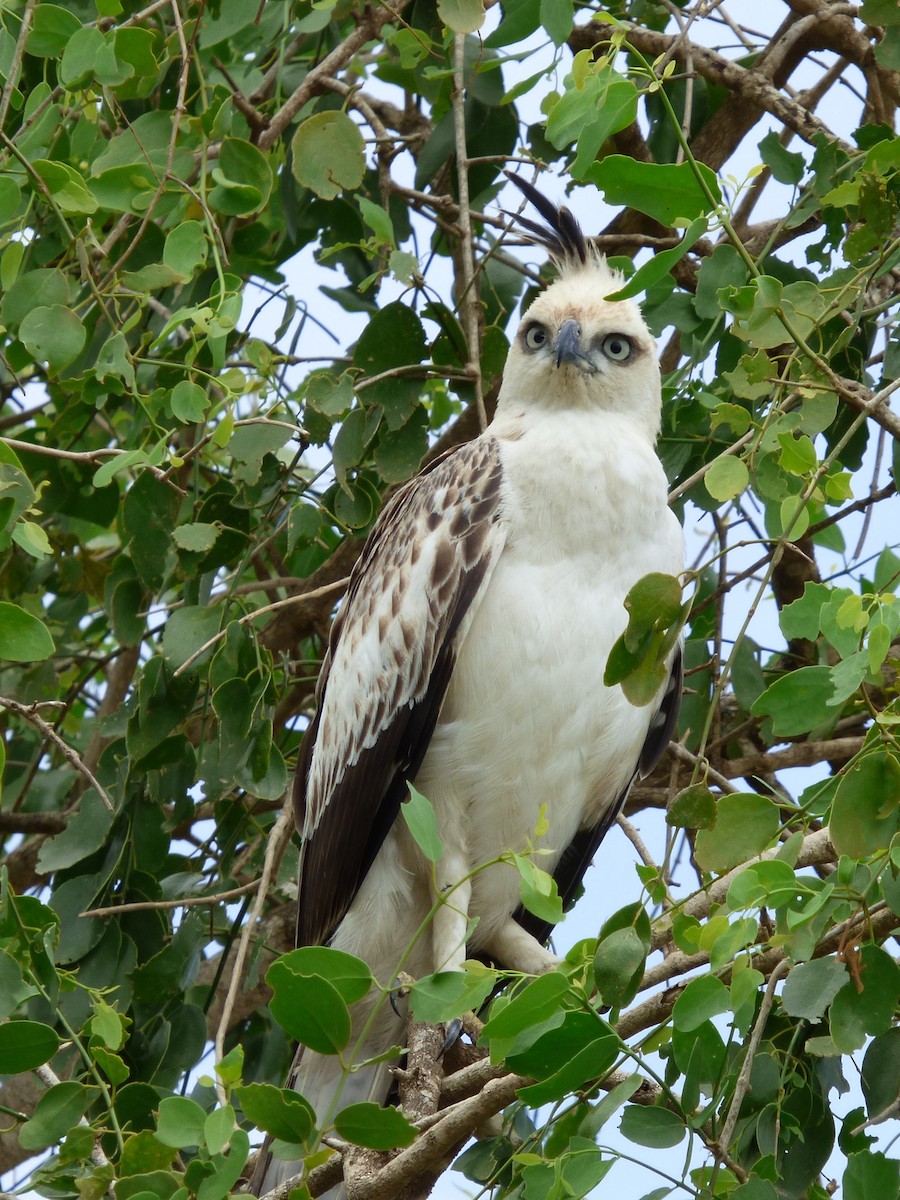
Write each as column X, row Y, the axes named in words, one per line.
column 727, row 478
column 462, row 16
column 328, row 154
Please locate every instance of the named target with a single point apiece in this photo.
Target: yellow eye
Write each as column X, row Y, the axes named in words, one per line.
column 617, row 347
column 535, row 337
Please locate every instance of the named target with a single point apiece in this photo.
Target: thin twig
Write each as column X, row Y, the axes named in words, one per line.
column 468, row 299
column 339, row 585
column 677, row 750
column 28, row 713
column 743, row 1080
column 12, row 74
column 275, row 847
column 183, row 902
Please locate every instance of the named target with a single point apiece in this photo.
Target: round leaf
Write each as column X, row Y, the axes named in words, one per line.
column 53, row 334
column 25, row 1045
column 368, row 1124
column 727, row 477
column 462, row 16
column 328, row 154
column 23, row 638
column 657, row 1128
column 309, row 1009
column 745, row 824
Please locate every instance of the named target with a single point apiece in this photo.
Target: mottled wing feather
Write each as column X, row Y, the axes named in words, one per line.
column 390, row 658
column 579, row 854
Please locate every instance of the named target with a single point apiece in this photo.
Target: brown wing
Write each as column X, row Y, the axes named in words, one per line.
column 390, row 658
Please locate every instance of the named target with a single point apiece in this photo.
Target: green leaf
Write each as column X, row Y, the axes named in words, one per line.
column 727, row 477
column 243, row 177
column 866, row 1006
column 43, row 287
column 871, row 1175
column 350, row 976
column 745, row 824
column 610, row 1104
column 618, row 960
column 604, row 103
column 693, row 808
column 32, row 538
column 448, row 994
column 811, row 986
column 66, row 186
column 53, row 334
column 368, row 1124
column 61, row 1107
column 557, row 18
column 182, row 1122
column 186, row 248
column 880, row 1072
column 52, row 28
column 771, row 883
column 143, row 1153
column 187, row 629
column 580, row 1050
column 638, row 660
column 864, row 814
column 798, row 701
column 394, row 337
column 13, row 988
column 85, row 832
column 23, row 638
column 217, row 1129
column 534, row 1003
column 658, row 1128
column 538, row 891
column 662, row 191
column 309, row 1009
column 328, row 154
column 661, row 263
column 722, row 268
column 197, row 536
column 377, row 219
column 227, row 1171
column 785, row 166
column 421, row 822
column 703, row 998
column 80, row 57
column 278, row 1111
column 25, row 1045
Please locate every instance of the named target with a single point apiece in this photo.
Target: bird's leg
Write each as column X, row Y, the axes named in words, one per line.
column 517, row 950
column 450, row 925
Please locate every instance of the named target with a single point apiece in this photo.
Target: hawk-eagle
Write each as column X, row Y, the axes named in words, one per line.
column 468, row 658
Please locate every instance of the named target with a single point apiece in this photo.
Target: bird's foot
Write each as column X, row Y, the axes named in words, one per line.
column 453, row 1029
column 399, row 991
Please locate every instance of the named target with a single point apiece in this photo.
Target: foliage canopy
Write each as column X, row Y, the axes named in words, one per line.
column 189, row 459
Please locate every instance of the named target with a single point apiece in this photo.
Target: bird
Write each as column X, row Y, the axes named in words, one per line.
column 468, row 656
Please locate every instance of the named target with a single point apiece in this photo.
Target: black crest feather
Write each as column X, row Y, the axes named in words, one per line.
column 561, row 236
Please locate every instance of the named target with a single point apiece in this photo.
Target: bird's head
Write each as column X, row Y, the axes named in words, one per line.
column 574, row 348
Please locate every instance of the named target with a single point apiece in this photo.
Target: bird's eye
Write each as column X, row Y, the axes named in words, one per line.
column 617, row 347
column 535, row 337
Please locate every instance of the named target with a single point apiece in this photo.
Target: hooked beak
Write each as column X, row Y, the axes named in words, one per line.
column 568, row 347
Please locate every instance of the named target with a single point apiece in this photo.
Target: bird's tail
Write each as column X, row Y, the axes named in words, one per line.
column 322, row 1080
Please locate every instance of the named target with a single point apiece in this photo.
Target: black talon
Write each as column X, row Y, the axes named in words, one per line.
column 398, row 992
column 454, row 1029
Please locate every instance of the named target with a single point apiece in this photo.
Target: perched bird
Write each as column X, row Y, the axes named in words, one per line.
column 468, row 658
